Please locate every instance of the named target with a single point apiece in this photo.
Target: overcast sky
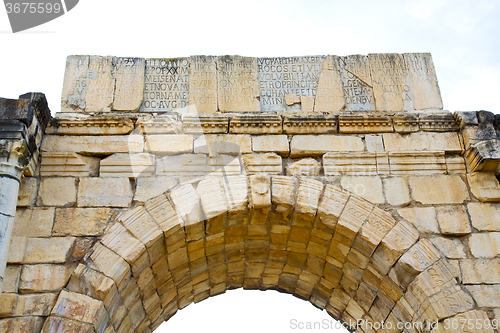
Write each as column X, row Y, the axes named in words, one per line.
column 462, row 36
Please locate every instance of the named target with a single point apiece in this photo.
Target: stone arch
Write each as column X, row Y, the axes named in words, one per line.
column 294, row 234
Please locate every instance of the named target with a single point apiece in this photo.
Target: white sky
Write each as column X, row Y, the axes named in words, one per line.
column 463, row 37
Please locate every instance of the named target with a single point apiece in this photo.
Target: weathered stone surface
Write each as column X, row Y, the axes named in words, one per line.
column 81, row 124
column 453, row 220
column 11, row 279
column 21, row 324
column 316, row 145
column 271, row 144
column 329, row 96
column 104, row 192
column 187, row 204
column 260, row 191
column 310, row 124
column 374, row 142
column 36, row 222
column 204, row 124
column 422, row 218
column 191, row 165
column 485, row 296
column 127, row 165
column 367, row 187
column 423, row 81
column 47, row 250
column 417, row 163
column 68, row 164
column 446, row 141
column 446, row 189
column 43, row 278
column 16, row 250
column 27, row 192
column 57, row 192
column 485, row 245
column 484, row 217
column 238, row 85
column 169, row 144
column 88, row 84
column 129, row 90
column 451, row 248
column 480, row 271
column 223, row 144
column 305, row 167
column 296, row 75
column 166, row 84
column 484, row 186
column 35, row 304
column 81, row 308
column 357, row 83
column 202, row 84
column 263, row 163
column 350, row 163
column 150, row 187
column 80, row 221
column 396, row 191
column 94, row 144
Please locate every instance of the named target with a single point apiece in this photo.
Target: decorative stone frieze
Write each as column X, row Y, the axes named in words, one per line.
column 310, row 124
column 255, row 125
column 160, row 125
column 89, row 126
column 437, row 122
column 365, row 124
column 205, row 124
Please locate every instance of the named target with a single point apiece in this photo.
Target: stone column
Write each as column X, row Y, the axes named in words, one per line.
column 22, row 123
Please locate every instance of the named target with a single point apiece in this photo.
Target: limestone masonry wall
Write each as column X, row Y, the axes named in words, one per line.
column 377, row 206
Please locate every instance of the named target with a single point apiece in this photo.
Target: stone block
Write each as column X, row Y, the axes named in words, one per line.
column 374, row 142
column 211, row 193
column 170, row 144
column 423, row 81
column 57, row 192
column 484, row 216
column 187, row 204
column 367, row 187
column 451, row 248
column 27, row 192
column 203, row 84
column 163, row 213
column 110, row 264
column 317, row 145
column 64, row 164
column 237, row 83
column 271, row 144
column 365, row 124
column 43, row 278
column 129, row 90
column 396, row 191
column 350, row 163
column 308, row 196
column 263, row 163
column 307, row 104
column 36, row 222
column 8, row 303
column 422, row 218
column 127, row 165
column 104, row 192
column 406, row 123
column 236, row 192
column 119, row 240
column 80, row 221
column 16, row 250
column 484, row 186
column 232, row 144
column 260, row 191
column 97, row 145
column 81, row 308
column 453, row 220
column 417, row 163
column 430, row 141
column 150, row 187
column 35, row 304
column 48, row 250
column 485, row 295
column 480, row 271
column 191, row 165
column 329, row 95
column 455, row 164
column 308, row 167
column 11, row 279
column 446, row 189
column 21, row 324
column 485, row 245
column 160, row 124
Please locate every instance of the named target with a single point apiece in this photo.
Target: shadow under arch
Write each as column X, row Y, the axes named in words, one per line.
column 295, row 235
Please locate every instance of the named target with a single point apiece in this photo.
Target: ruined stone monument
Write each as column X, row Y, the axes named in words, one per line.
column 162, row 182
